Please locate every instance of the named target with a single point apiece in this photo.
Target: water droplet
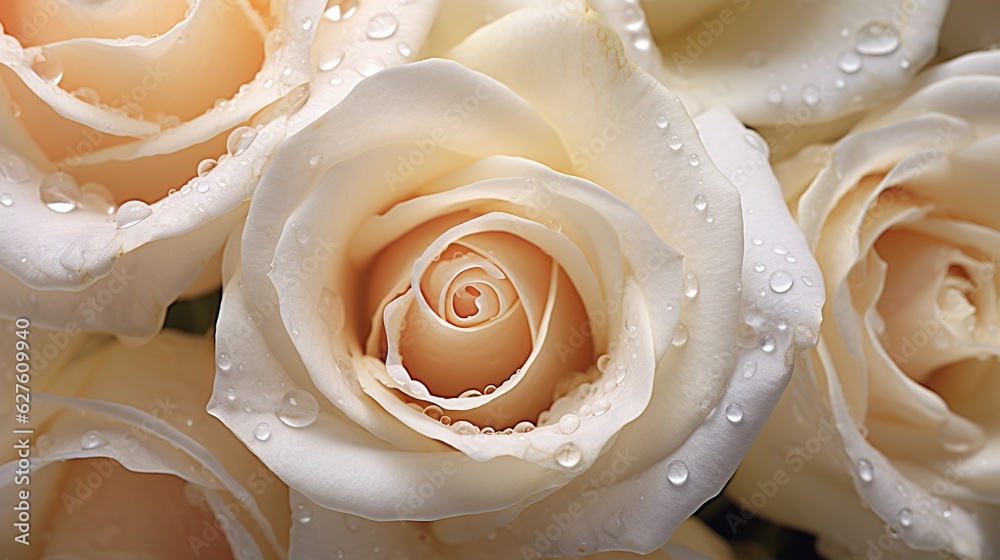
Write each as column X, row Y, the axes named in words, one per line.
column 781, row 281
column 773, row 96
column 690, row 285
column 749, row 369
column 523, row 427
column 13, row 168
column 352, row 523
column 338, row 10
column 601, row 406
column 332, row 310
column 404, row 49
column 382, row 25
column 839, row 83
column 240, row 139
column 905, row 517
column 876, row 38
column 224, row 362
column 464, row 428
column 568, row 455
column 15, row 110
column 807, row 281
column 371, row 67
column 675, row 143
column 48, row 67
column 677, row 473
column 331, row 60
column 620, row 371
column 734, row 413
column 553, row 225
column 59, row 192
column 97, row 197
column 767, row 343
column 262, row 431
column 700, row 203
column 693, row 160
column 603, row 361
column 205, row 166
column 849, row 62
column 865, row 470
column 131, row 213
column 307, row 24
column 230, row 394
column 811, row 95
column 904, row 64
column 298, row 408
column 680, row 335
column 303, row 513
column 569, row 423
column 92, row 440
column 661, row 121
column 6, row 199
column 757, row 241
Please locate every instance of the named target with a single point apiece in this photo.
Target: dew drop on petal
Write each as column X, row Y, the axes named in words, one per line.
column 262, row 431
column 865, row 470
column 205, row 166
column 749, row 369
column 230, row 394
column 404, row 49
column 13, row 169
column 601, row 406
column 734, row 413
column 224, row 362
column 773, row 96
column 700, row 203
column 675, row 143
column 781, row 281
column 6, row 199
column 240, row 139
column 767, row 343
column 876, row 38
column 661, row 121
column 92, row 440
column 680, row 335
column 330, row 60
column 382, row 26
column 905, row 517
column 568, row 455
column 59, row 192
column 693, row 160
column 569, row 423
column 690, row 285
column 849, row 62
column 131, row 213
column 298, row 408
column 48, row 66
column 677, row 473
column 303, row 513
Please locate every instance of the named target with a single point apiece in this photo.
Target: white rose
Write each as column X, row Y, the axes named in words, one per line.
column 492, row 306
column 889, row 430
column 125, row 463
column 109, row 107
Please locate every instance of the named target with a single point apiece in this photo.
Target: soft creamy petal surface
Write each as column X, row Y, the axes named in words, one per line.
column 886, row 416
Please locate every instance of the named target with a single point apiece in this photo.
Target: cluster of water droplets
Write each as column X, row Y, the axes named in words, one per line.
column 380, row 27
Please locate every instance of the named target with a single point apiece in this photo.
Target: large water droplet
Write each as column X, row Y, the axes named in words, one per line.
column 849, row 62
column 767, row 343
column 131, row 213
column 568, row 455
column 59, row 192
column 206, row 166
column 677, row 473
column 734, row 413
column 569, row 423
column 876, row 38
column 13, row 168
column 48, row 66
column 781, row 281
column 92, row 440
column 262, row 431
column 865, row 470
column 240, row 139
column 680, row 335
column 382, row 26
column 298, row 408
column 690, row 285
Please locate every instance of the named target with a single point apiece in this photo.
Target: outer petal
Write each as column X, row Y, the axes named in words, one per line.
column 93, row 402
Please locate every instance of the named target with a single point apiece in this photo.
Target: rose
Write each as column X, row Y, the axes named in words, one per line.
column 124, row 461
column 797, row 72
column 543, row 221
column 894, row 409
column 114, row 113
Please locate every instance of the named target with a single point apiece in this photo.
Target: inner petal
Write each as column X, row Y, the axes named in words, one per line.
column 39, row 22
column 467, row 289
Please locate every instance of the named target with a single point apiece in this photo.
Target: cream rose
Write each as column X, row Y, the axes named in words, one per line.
column 889, row 431
column 125, row 462
column 131, row 133
column 491, row 305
